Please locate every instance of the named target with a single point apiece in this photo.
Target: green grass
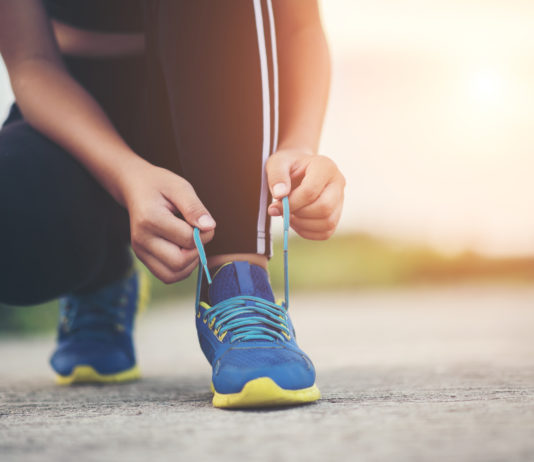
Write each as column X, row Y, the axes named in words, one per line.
column 352, row 261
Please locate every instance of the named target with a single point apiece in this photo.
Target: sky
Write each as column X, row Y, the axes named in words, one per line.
column 431, row 119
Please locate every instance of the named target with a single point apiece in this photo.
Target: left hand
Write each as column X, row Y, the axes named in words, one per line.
column 315, row 187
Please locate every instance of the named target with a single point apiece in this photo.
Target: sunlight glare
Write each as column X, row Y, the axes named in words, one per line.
column 487, row 86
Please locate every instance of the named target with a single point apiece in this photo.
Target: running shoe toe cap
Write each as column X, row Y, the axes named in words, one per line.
column 104, row 359
column 289, row 369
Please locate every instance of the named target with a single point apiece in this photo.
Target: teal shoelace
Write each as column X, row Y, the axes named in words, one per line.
column 247, row 317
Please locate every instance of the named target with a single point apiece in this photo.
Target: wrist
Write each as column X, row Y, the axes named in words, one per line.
column 294, row 146
column 129, row 169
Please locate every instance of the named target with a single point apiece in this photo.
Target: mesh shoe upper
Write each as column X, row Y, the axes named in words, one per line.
column 258, row 339
column 95, row 329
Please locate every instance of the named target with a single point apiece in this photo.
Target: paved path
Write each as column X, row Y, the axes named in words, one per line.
column 440, row 375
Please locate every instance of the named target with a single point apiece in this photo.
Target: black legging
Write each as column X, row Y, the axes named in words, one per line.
column 205, row 96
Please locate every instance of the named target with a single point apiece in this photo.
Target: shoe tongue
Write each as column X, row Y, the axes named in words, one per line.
column 240, row 278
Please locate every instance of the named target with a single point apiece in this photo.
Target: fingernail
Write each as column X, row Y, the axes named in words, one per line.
column 205, row 221
column 274, row 212
column 279, row 189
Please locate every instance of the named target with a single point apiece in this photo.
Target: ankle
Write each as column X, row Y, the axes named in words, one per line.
column 253, row 258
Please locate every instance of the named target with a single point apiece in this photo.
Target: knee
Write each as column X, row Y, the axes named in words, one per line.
column 15, row 290
column 53, row 220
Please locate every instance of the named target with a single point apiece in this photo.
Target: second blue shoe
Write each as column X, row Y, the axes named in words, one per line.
column 95, row 333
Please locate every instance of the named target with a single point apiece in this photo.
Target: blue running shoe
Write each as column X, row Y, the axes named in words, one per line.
column 249, row 339
column 95, row 332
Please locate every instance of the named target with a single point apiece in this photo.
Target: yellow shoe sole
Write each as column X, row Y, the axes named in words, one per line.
column 264, row 392
column 86, row 374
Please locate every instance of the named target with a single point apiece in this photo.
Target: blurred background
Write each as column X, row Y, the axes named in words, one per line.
column 431, row 119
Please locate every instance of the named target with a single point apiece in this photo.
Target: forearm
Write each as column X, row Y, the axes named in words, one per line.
column 304, row 74
column 56, row 105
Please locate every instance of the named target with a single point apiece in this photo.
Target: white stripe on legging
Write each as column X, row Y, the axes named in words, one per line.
column 275, row 74
column 266, row 125
column 275, row 86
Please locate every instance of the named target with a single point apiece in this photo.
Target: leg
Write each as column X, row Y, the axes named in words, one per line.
column 218, row 63
column 217, row 66
column 60, row 232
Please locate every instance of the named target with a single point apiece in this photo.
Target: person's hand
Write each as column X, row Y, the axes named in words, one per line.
column 315, row 187
column 161, row 240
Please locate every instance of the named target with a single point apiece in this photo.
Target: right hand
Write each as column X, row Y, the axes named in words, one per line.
column 161, row 240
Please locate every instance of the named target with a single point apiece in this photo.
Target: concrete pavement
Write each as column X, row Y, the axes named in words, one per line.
column 406, row 375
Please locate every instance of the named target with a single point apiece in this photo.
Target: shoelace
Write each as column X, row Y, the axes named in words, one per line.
column 247, row 317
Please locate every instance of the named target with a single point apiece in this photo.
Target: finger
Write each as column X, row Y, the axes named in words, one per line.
column 182, row 195
column 278, row 170
column 315, row 236
column 297, row 174
column 166, row 253
column 177, row 231
column 161, row 271
column 330, row 200
column 318, row 175
column 173, row 229
column 174, row 258
column 206, row 236
column 275, row 209
column 316, row 224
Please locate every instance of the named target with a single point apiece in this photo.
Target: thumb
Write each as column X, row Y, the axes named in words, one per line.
column 185, row 199
column 278, row 170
